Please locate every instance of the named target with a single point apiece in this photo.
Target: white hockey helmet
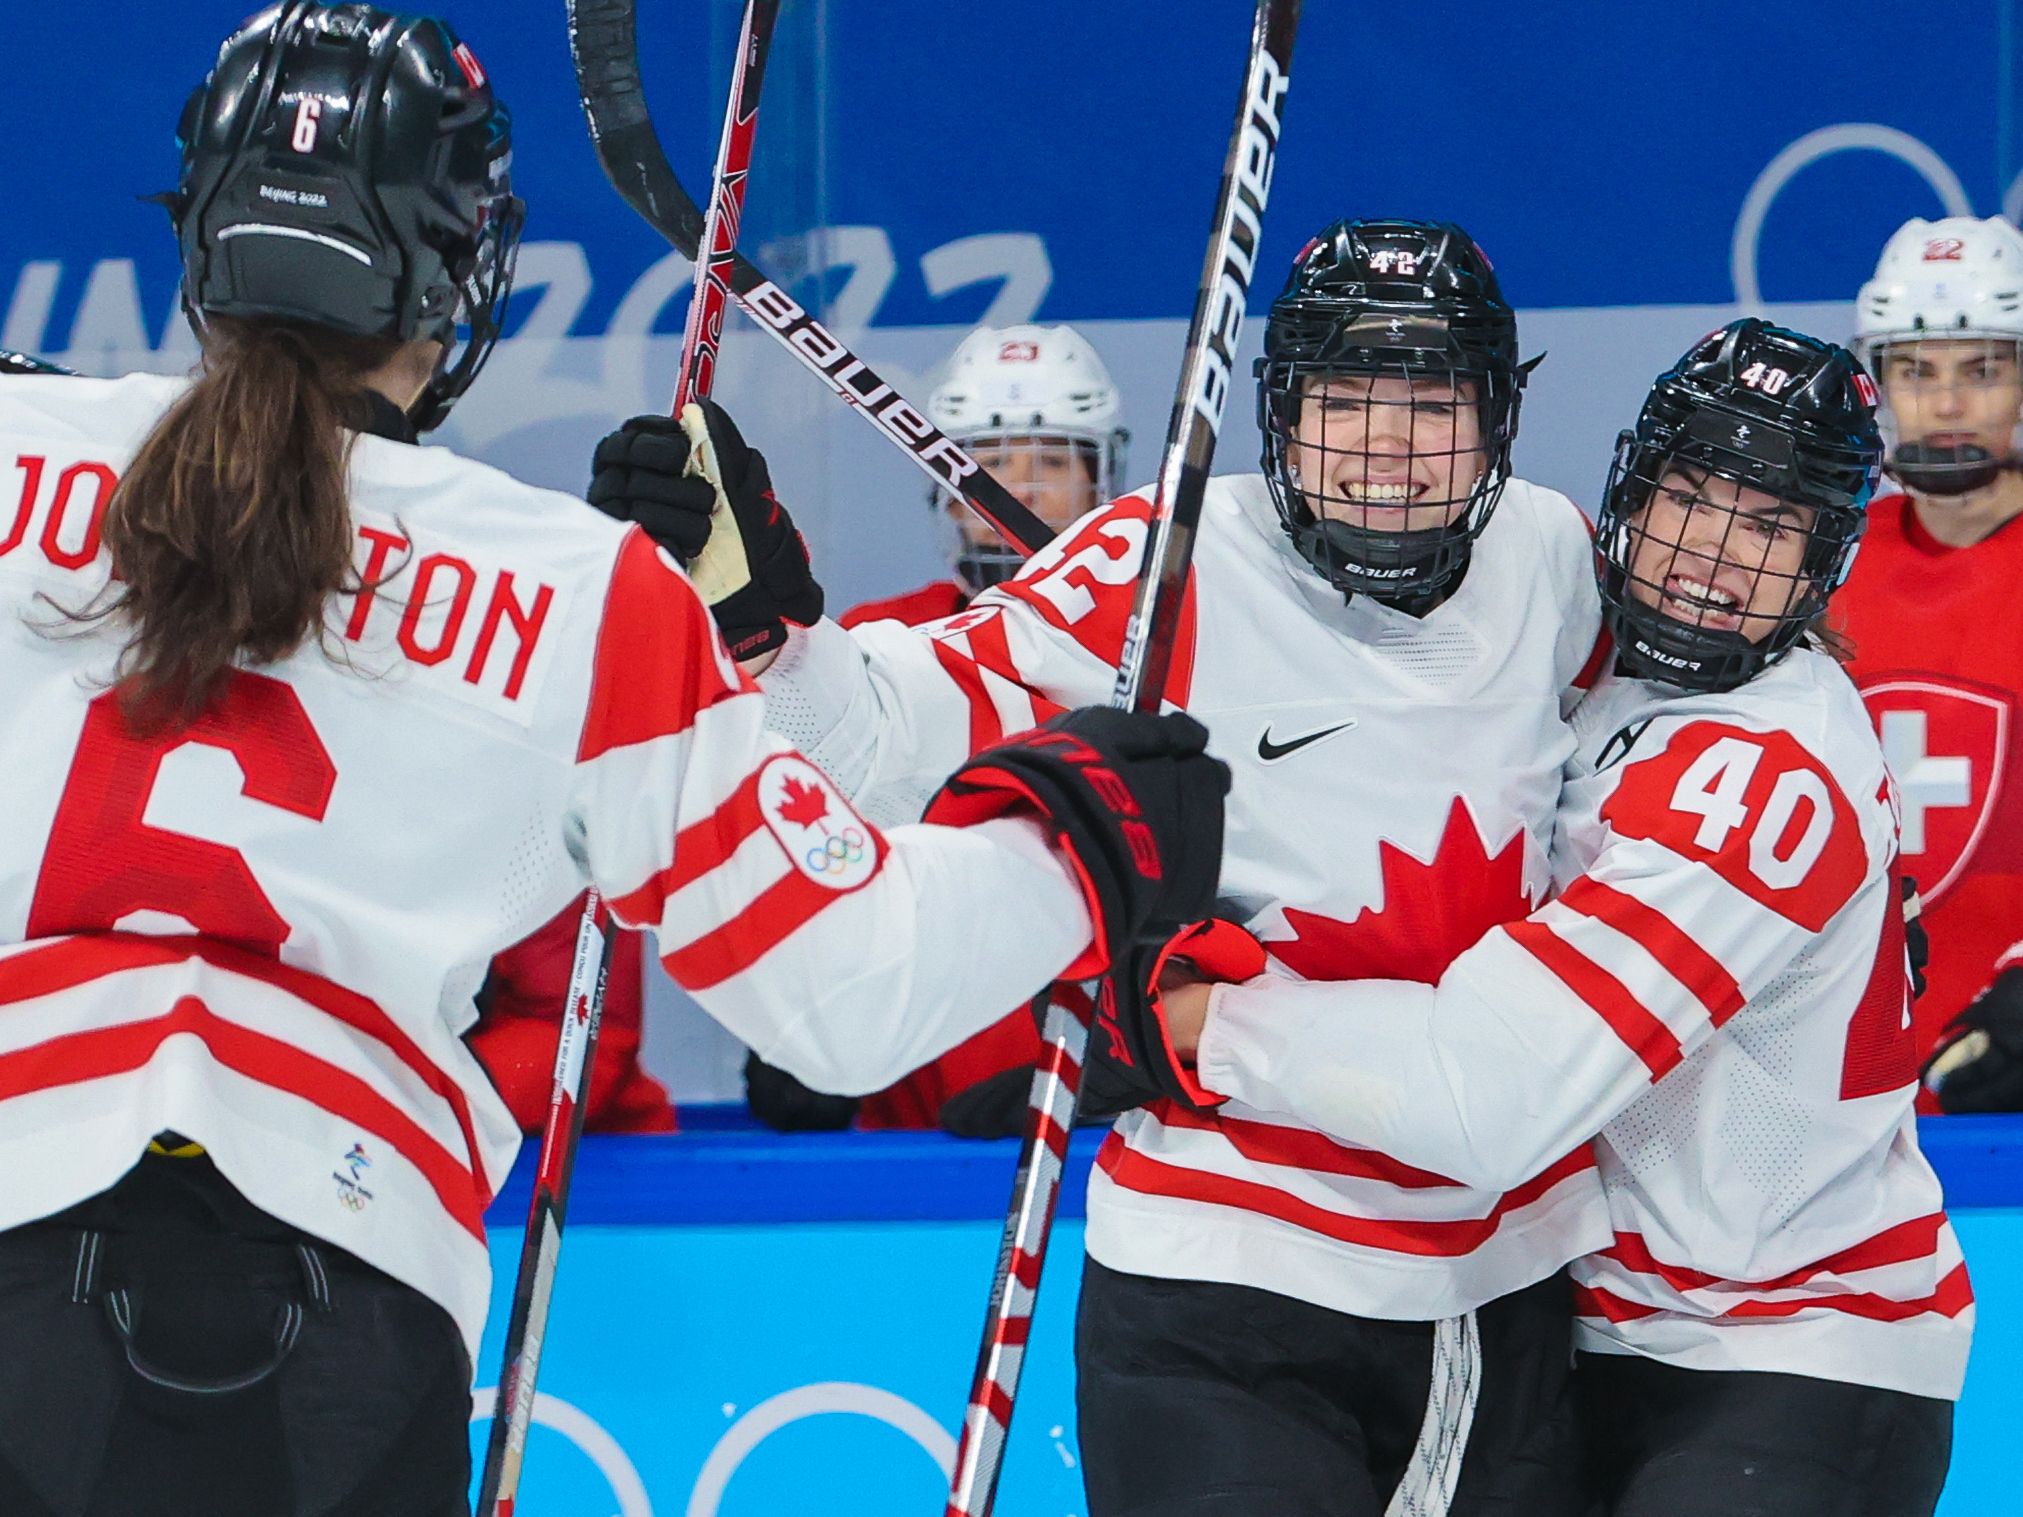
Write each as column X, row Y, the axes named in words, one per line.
column 1955, row 279
column 1039, row 384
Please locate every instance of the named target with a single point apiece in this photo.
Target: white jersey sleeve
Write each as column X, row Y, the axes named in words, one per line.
column 840, row 953
column 889, row 710
column 1725, row 851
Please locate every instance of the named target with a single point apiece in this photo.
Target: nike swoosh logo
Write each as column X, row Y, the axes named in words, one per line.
column 1272, row 752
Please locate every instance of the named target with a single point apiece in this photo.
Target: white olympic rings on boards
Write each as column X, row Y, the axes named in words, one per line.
column 789, row 1407
column 1844, row 137
column 583, row 1430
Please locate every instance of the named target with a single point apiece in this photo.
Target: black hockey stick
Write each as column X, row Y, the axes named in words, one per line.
column 1206, row 374
column 596, row 938
column 602, row 41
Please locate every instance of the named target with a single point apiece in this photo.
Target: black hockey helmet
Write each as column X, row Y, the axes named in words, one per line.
column 349, row 168
column 1414, row 301
column 1766, row 409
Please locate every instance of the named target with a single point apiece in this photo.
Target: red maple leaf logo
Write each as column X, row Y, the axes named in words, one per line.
column 1428, row 913
column 805, row 805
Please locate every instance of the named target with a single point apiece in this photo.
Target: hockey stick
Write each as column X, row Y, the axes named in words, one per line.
column 603, row 44
column 513, row 1413
column 1205, row 378
column 597, row 937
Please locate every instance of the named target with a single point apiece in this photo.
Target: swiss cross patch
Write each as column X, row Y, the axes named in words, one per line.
column 1946, row 745
column 1944, row 250
column 825, row 838
column 1018, row 352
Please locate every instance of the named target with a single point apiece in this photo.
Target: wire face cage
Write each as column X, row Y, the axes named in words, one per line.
column 1386, row 470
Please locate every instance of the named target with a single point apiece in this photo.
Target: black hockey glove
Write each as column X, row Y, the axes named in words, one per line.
column 1978, row 1064
column 1131, row 1059
column 1917, row 944
column 995, row 1107
column 696, row 488
column 784, row 1104
column 1134, row 804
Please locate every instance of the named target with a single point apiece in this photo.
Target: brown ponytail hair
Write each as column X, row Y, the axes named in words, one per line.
column 231, row 528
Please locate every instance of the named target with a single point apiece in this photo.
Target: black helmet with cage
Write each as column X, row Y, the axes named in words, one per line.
column 1385, row 480
column 349, row 167
column 1788, row 422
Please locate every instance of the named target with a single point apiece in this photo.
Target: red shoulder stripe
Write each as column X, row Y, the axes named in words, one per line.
column 658, row 659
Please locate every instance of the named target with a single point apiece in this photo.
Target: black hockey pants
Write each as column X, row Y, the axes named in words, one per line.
column 115, row 1313
column 1205, row 1400
column 1669, row 1442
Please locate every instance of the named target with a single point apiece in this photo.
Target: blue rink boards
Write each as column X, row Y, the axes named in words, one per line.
column 755, row 1326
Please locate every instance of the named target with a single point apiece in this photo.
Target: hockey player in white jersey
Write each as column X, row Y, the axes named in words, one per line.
column 1378, row 632
column 1780, row 1324
column 1036, row 407
column 307, row 722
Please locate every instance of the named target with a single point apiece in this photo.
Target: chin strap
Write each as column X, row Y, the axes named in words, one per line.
column 1947, row 471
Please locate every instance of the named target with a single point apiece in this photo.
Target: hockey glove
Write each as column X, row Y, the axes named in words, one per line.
column 1978, row 1064
column 1134, row 804
column 996, row 1106
column 784, row 1104
column 1131, row 1059
column 696, row 488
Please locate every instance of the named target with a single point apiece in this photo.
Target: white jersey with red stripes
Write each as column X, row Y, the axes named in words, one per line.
column 1394, row 786
column 1722, row 981
column 263, row 931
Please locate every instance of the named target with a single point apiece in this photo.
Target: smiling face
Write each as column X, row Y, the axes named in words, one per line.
column 1388, row 453
column 1710, row 553
column 1954, row 392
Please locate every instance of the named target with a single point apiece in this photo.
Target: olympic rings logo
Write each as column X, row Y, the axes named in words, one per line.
column 836, row 853
column 739, row 1442
column 1844, row 137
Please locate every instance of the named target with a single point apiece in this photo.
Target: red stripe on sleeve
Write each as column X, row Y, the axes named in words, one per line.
column 775, row 914
column 984, row 726
column 1608, row 997
column 698, row 848
column 1684, row 960
column 658, row 659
